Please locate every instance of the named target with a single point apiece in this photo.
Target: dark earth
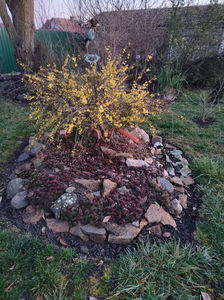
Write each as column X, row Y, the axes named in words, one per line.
column 204, row 123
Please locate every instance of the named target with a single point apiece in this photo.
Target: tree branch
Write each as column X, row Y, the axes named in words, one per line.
column 8, row 23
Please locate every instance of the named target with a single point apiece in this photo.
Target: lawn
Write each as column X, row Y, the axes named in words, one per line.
column 14, row 127
column 165, row 271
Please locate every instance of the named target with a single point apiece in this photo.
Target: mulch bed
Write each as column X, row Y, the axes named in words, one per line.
column 91, row 163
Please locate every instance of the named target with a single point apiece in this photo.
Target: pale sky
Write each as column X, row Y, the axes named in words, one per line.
column 46, row 9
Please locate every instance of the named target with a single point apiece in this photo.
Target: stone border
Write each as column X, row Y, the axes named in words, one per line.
column 155, row 215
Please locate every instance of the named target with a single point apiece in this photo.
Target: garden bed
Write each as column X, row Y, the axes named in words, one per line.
column 122, row 194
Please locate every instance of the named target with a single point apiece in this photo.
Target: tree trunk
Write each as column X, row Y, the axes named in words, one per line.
column 21, row 29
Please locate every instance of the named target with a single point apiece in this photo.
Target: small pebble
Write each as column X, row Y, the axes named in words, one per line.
column 84, row 249
column 43, row 230
column 166, row 234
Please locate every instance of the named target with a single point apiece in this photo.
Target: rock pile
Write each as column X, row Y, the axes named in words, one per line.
column 174, row 180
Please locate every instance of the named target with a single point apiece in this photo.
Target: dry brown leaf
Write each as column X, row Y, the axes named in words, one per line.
column 49, row 258
column 63, row 242
column 40, row 298
column 99, row 263
column 205, row 296
column 106, row 219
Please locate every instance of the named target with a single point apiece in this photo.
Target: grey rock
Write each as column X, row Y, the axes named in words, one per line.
column 166, row 185
column 57, row 225
column 19, row 200
column 76, row 230
column 136, row 223
column 158, row 145
column 70, row 189
column 136, row 163
column 149, row 160
column 90, row 229
column 129, row 233
column 165, row 173
column 166, row 234
column 108, row 186
column 24, row 156
column 156, row 213
column 65, row 206
column 37, row 162
column 21, row 97
column 176, row 181
column 141, row 134
column 91, row 184
column 96, row 234
column 114, row 228
column 123, row 190
column 35, row 148
column 156, row 229
column 152, row 214
column 188, row 181
column 97, row 194
column 183, row 200
column 13, row 176
column 108, row 151
column 176, row 206
column 13, row 187
column 157, row 141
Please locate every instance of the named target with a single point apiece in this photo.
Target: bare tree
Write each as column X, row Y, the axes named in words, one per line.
column 126, row 24
column 21, row 27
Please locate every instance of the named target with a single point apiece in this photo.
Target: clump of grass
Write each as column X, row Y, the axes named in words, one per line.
column 167, row 271
column 209, row 170
column 26, row 270
column 14, row 127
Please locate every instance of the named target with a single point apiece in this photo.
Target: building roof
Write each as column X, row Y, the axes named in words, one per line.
column 68, row 25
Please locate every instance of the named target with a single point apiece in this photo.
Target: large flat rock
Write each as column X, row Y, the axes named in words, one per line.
column 128, row 234
column 156, row 214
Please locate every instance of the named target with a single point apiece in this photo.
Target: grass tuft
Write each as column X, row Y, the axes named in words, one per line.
column 167, row 271
column 14, row 127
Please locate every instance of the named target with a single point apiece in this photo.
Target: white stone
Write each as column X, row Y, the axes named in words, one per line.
column 176, row 206
column 136, row 163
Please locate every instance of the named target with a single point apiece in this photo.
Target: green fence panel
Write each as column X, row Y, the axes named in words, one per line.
column 7, row 60
column 57, row 42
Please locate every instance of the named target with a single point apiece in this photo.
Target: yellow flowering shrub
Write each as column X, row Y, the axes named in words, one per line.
column 94, row 98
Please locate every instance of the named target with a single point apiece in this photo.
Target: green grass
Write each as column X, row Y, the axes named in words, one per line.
column 165, row 271
column 14, row 127
column 185, row 133
column 25, row 271
column 170, row 271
